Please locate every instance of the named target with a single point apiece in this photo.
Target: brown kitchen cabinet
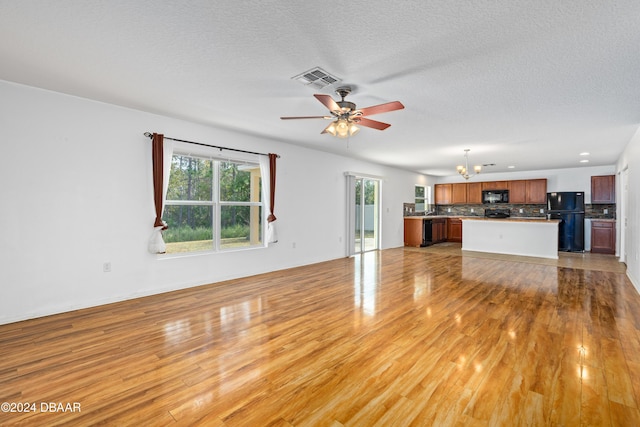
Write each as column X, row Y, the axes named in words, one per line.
column 603, row 189
column 413, row 234
column 424, row 231
column 603, row 236
column 438, row 230
column 536, row 191
column 459, row 193
column 518, row 191
column 530, row 191
column 495, row 185
column 443, row 194
column 454, row 230
column 474, row 193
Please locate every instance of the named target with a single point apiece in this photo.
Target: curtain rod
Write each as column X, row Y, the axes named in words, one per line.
column 150, row 135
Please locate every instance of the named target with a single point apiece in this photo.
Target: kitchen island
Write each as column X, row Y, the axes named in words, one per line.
column 535, row 237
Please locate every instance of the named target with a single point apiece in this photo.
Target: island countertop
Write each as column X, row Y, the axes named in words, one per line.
column 523, row 236
column 511, row 219
column 481, row 218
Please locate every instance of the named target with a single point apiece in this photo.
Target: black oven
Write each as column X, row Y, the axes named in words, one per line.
column 495, row 196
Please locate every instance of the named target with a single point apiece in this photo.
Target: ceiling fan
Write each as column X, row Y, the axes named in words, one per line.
column 346, row 117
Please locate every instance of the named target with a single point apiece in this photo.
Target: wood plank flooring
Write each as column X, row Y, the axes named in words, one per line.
column 396, row 337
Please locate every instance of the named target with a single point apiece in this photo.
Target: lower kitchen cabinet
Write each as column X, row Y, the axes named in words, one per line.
column 603, row 237
column 438, row 230
column 413, row 232
column 423, row 232
column 454, row 230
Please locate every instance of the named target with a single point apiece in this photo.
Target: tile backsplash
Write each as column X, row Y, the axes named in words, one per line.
column 523, row 211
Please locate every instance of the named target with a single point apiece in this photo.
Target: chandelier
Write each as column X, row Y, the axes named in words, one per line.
column 464, row 170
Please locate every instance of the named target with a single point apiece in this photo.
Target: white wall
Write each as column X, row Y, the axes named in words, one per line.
column 630, row 162
column 76, row 177
column 573, row 179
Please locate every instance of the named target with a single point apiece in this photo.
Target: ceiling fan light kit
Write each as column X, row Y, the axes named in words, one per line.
column 464, row 170
column 342, row 128
column 346, row 116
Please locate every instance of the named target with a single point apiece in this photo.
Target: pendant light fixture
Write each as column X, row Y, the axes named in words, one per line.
column 464, row 170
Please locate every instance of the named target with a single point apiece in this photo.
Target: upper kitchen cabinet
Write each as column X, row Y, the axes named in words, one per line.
column 459, row 193
column 495, row 185
column 603, row 189
column 443, row 194
column 518, row 191
column 474, row 193
column 531, row 191
column 537, row 191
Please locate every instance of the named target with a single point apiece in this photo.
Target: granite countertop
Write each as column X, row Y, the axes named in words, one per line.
column 429, row 216
column 514, row 219
column 602, row 219
column 440, row 216
column 482, row 218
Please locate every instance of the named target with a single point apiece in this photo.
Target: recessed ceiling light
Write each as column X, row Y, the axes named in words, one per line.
column 584, row 153
column 584, row 161
column 511, row 167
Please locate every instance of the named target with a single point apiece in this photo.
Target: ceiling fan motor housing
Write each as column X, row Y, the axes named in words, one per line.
column 346, row 106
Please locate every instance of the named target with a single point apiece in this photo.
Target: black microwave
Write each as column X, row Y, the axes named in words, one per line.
column 495, row 196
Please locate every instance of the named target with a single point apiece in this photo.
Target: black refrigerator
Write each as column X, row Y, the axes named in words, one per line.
column 568, row 207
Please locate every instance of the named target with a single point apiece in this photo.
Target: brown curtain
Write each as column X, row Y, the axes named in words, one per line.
column 272, row 186
column 158, row 178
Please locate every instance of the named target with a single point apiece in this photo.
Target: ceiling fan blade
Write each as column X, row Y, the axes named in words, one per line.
column 307, row 117
column 328, row 102
column 372, row 124
column 382, row 108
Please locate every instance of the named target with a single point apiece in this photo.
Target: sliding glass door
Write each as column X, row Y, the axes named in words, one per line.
column 363, row 214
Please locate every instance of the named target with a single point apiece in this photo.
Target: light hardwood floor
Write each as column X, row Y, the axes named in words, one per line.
column 396, row 337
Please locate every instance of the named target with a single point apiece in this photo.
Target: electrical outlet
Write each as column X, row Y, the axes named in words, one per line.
column 606, row 211
column 293, row 245
column 471, row 210
column 521, row 210
column 448, row 209
column 541, row 210
column 106, row 267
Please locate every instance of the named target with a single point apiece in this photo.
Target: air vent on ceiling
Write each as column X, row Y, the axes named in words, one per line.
column 316, row 78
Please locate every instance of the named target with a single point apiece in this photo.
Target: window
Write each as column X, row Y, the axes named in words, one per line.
column 422, row 198
column 212, row 205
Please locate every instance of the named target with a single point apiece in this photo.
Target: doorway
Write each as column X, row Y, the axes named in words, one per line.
column 363, row 212
column 623, row 216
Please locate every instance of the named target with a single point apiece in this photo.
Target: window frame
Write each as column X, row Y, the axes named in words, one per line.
column 217, row 204
column 425, row 199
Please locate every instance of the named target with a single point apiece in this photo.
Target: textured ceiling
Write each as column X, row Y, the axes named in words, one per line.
column 528, row 84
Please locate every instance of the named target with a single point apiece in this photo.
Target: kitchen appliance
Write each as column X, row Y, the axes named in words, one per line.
column 568, row 207
column 497, row 213
column 495, row 196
